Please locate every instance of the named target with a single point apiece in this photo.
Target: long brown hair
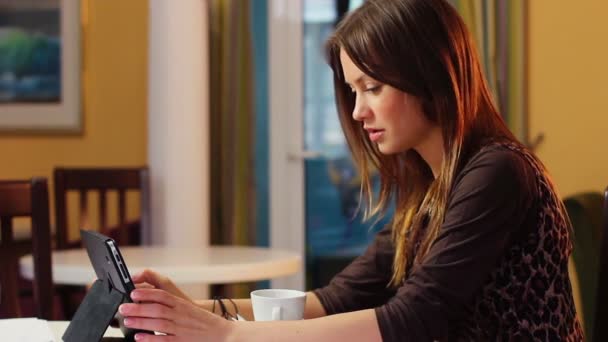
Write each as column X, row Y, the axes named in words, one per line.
column 421, row 47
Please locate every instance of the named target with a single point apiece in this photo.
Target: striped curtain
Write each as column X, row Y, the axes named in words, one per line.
column 232, row 128
column 499, row 28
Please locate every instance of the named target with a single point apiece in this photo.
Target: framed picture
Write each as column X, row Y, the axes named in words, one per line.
column 40, row 66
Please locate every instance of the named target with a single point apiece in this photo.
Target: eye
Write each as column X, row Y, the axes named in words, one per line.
column 375, row 89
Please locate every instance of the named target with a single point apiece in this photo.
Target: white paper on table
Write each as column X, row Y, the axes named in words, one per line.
column 26, row 330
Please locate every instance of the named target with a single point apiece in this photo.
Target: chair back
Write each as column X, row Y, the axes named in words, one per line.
column 588, row 213
column 101, row 181
column 600, row 332
column 27, row 198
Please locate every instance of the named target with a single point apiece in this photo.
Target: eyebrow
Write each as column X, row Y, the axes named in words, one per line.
column 358, row 79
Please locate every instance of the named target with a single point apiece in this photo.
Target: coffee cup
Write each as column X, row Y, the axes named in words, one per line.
column 278, row 304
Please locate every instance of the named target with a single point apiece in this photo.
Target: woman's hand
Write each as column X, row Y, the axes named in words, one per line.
column 150, row 279
column 160, row 311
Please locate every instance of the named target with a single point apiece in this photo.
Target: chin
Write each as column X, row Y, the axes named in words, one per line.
column 387, row 149
column 384, row 149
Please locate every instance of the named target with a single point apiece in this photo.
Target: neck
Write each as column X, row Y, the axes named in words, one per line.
column 431, row 150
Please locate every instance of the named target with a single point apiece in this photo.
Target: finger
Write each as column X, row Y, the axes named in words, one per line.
column 148, row 310
column 143, row 337
column 144, row 286
column 155, row 296
column 154, row 303
column 151, row 324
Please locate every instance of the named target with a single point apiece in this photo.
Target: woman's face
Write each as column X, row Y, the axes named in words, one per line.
column 393, row 119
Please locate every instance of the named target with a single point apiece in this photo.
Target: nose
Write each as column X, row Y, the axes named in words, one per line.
column 361, row 111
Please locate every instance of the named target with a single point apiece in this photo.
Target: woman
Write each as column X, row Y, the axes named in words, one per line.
column 479, row 243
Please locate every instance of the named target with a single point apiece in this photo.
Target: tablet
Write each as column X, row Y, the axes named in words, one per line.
column 107, row 261
column 111, row 268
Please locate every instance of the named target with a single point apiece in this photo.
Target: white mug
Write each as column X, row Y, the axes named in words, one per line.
column 278, row 304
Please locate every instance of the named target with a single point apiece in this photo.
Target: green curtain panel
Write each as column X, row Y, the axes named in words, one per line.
column 232, row 124
column 499, row 28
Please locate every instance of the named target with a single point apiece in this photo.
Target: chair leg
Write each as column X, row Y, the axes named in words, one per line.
column 9, row 301
column 64, row 301
column 70, row 297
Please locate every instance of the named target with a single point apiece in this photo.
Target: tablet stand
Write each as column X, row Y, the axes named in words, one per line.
column 94, row 313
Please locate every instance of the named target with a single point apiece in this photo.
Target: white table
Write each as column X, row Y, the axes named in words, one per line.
column 185, row 266
column 59, row 327
column 32, row 329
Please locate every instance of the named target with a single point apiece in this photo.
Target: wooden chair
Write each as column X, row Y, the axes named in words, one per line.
column 588, row 213
column 600, row 332
column 27, row 198
column 101, row 180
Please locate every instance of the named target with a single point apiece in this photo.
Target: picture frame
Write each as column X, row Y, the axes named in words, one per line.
column 40, row 66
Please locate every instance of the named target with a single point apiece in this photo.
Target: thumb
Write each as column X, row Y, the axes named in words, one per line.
column 148, row 276
column 143, row 276
column 138, row 277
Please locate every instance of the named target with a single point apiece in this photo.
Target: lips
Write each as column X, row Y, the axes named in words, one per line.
column 374, row 134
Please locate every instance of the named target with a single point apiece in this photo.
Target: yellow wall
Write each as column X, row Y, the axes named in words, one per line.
column 568, row 95
column 569, row 91
column 114, row 111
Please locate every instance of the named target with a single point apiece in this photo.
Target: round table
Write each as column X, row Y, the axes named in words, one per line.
column 210, row 265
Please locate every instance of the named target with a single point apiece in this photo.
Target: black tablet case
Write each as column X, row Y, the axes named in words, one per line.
column 94, row 313
column 99, row 306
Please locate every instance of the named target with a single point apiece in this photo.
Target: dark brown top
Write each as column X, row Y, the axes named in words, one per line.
column 497, row 270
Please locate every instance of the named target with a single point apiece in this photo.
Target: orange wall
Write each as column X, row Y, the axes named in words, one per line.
column 114, row 110
column 569, row 91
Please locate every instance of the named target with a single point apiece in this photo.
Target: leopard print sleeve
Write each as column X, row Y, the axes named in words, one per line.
column 498, row 268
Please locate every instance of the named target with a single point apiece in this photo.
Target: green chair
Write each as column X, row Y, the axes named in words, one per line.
column 587, row 213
